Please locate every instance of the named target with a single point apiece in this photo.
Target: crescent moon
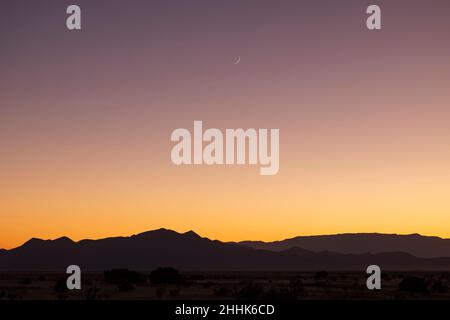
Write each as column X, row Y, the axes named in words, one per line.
column 237, row 60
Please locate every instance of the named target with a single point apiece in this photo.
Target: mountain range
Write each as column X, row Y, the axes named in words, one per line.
column 358, row 243
column 189, row 251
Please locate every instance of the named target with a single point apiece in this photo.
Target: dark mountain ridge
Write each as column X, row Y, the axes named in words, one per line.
column 358, row 243
column 189, row 251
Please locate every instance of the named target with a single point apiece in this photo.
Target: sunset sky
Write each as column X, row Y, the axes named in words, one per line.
column 86, row 117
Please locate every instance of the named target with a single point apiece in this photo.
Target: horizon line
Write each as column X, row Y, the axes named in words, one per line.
column 192, row 231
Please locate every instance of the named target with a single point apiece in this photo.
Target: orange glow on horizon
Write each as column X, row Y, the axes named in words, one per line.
column 364, row 120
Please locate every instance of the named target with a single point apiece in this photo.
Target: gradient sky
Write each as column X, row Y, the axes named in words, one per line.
column 86, row 117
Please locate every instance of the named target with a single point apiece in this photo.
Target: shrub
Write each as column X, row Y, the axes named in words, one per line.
column 439, row 287
column 165, row 275
column 220, row 292
column 296, row 285
column 60, row 286
column 26, row 281
column 250, row 292
column 160, row 292
column 280, row 294
column 413, row 284
column 92, row 293
column 174, row 292
column 125, row 287
column 197, row 277
column 321, row 275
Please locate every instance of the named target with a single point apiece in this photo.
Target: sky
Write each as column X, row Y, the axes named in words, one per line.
column 86, row 117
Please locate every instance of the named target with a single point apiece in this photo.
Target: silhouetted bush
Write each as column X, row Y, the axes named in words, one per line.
column 321, row 275
column 250, row 292
column 439, row 286
column 221, row 292
column 25, row 281
column 125, row 287
column 174, row 292
column 92, row 293
column 208, row 284
column 121, row 276
column 280, row 294
column 296, row 285
column 445, row 275
column 160, row 292
column 185, row 282
column 413, row 284
column 197, row 277
column 385, row 276
column 166, row 275
column 5, row 295
column 60, row 286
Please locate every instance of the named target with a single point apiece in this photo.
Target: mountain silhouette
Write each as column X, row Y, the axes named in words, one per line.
column 358, row 243
column 189, row 251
